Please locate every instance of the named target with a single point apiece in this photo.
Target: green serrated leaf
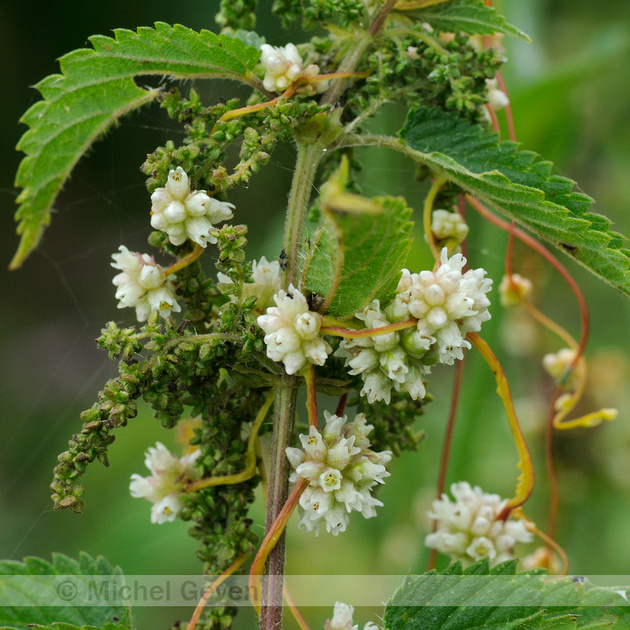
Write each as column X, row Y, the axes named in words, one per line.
column 488, row 599
column 469, row 16
column 520, row 185
column 62, row 594
column 359, row 250
column 95, row 89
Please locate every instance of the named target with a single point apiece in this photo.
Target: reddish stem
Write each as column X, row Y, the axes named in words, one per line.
column 341, row 406
column 446, row 450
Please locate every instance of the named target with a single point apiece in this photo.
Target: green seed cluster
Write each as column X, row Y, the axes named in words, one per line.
column 313, row 13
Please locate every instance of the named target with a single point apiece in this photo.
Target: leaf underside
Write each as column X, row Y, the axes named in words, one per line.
column 520, row 185
column 95, row 89
column 357, row 256
column 481, row 598
column 24, row 595
column 469, row 16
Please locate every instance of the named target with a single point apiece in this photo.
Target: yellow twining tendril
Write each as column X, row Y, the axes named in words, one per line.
column 525, row 483
column 573, row 379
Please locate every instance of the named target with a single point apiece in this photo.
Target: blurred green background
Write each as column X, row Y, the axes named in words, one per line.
column 570, row 92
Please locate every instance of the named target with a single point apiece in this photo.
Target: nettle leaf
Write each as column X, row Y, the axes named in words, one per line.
column 485, row 599
column 469, row 16
column 359, row 250
column 521, row 185
column 95, row 89
column 63, row 594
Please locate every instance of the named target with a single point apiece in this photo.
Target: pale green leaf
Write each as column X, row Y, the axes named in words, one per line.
column 487, row 599
column 522, row 186
column 95, row 89
column 469, row 16
column 44, row 593
column 359, row 250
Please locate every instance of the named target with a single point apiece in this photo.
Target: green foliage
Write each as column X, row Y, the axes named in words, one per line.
column 95, row 89
column 37, row 583
column 237, row 14
column 313, row 13
column 521, row 185
column 483, row 598
column 360, row 249
column 468, row 16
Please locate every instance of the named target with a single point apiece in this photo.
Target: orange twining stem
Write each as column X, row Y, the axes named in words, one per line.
column 525, row 483
column 311, row 395
column 213, row 587
column 185, row 261
column 271, row 539
column 348, row 333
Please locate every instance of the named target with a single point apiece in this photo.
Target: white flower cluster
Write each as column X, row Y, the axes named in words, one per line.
column 342, row 619
column 267, row 279
column 497, row 98
column 143, row 284
column 169, row 476
column 447, row 304
column 341, row 469
column 390, row 360
column 183, row 214
column 292, row 332
column 283, row 66
column 468, row 528
column 449, row 226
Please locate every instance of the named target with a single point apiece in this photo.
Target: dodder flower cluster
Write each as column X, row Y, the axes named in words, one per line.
column 341, row 469
column 390, row 360
column 183, row 214
column 342, row 619
column 447, row 304
column 143, row 284
column 292, row 332
column 283, row 66
column 468, row 528
column 169, row 476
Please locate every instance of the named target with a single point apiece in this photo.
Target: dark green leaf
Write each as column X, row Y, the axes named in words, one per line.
column 469, row 16
column 359, row 250
column 486, row 599
column 95, row 89
column 521, row 185
column 43, row 594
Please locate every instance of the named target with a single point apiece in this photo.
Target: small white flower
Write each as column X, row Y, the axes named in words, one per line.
column 342, row 619
column 388, row 361
column 341, row 470
column 514, row 289
column 497, row 98
column 283, row 66
column 468, row 529
column 143, row 285
column 164, row 488
column 558, row 366
column 447, row 303
column 449, row 226
column 183, row 214
column 267, row 279
column 292, row 332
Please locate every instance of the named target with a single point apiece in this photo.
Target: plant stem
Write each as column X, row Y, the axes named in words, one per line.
column 305, row 168
column 284, row 415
